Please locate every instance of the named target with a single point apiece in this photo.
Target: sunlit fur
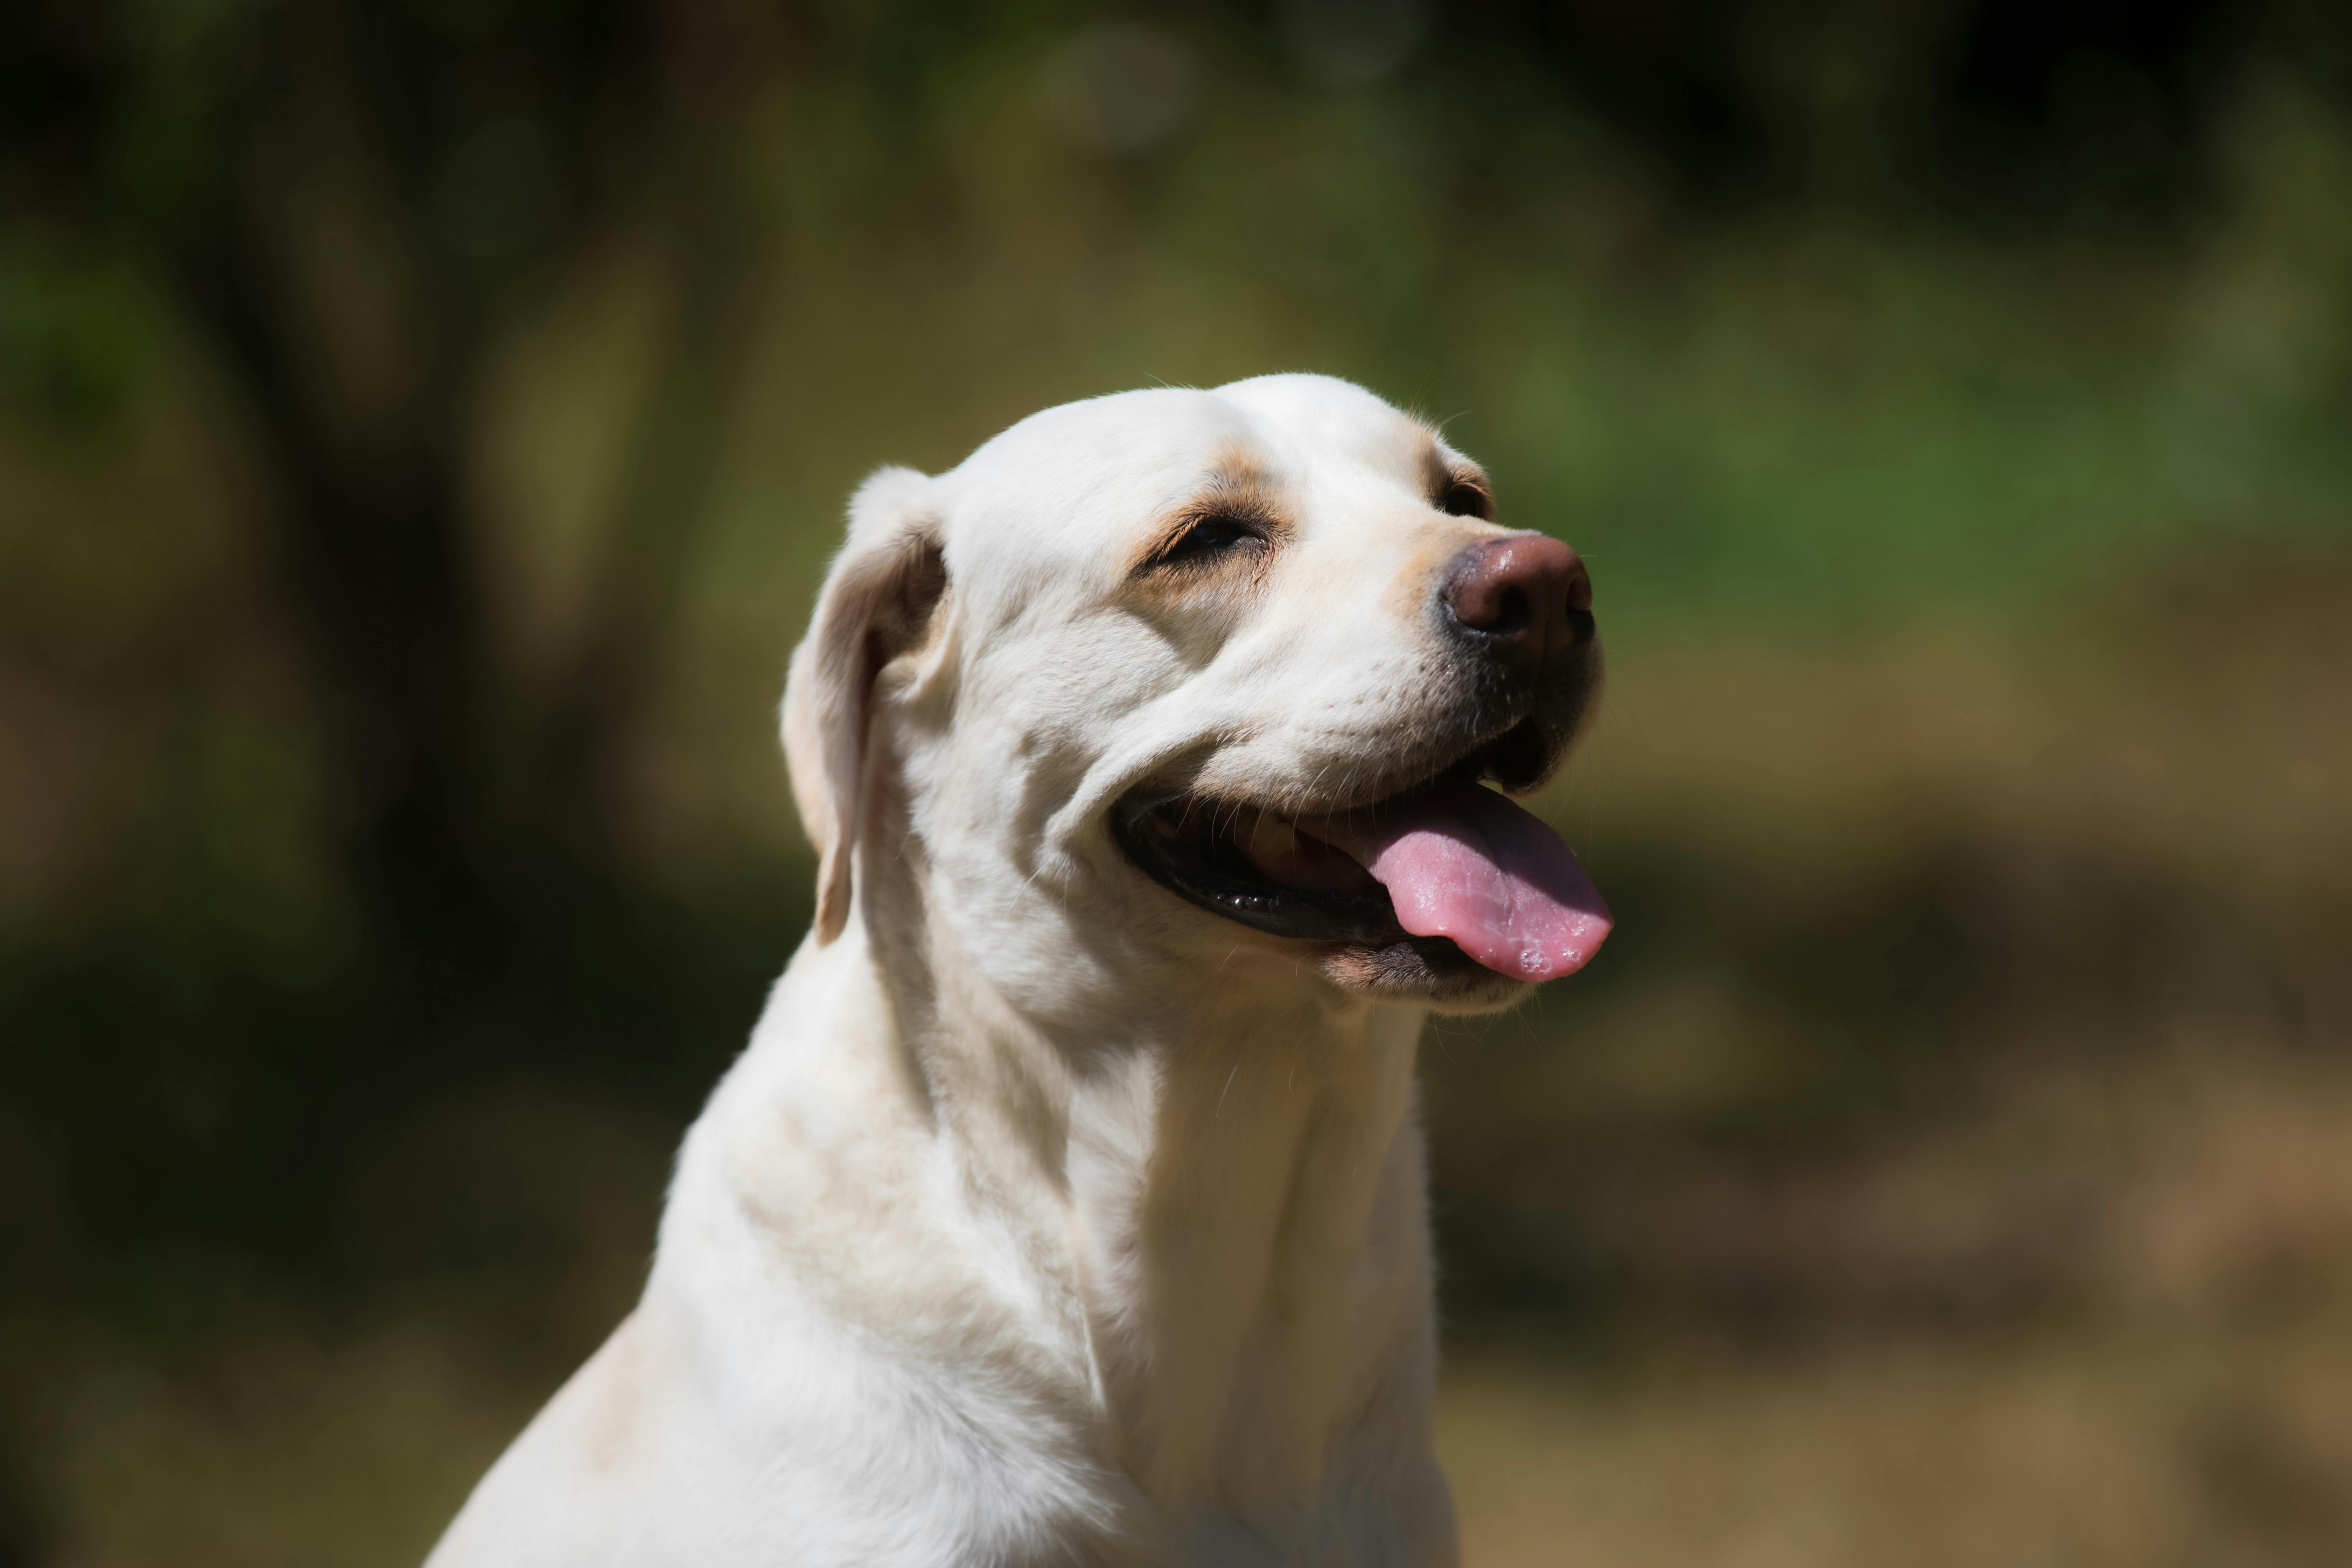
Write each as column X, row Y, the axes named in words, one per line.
column 1049, row 1218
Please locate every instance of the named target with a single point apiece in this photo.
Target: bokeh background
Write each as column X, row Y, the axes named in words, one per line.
column 420, row 427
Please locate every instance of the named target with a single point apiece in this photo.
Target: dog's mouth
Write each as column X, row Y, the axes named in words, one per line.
column 1455, row 869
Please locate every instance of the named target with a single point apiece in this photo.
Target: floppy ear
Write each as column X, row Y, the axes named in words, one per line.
column 875, row 602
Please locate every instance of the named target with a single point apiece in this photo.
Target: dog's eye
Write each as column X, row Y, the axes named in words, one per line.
column 1463, row 499
column 1212, row 536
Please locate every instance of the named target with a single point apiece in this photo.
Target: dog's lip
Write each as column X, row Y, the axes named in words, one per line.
column 1444, row 861
column 1196, row 848
column 1368, row 794
column 1235, row 884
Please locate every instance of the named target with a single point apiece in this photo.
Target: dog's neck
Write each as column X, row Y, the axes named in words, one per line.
column 1221, row 1184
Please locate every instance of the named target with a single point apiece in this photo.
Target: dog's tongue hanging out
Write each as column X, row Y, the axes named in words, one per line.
column 1464, row 862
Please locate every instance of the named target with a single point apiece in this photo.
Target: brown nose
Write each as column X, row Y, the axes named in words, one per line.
column 1522, row 595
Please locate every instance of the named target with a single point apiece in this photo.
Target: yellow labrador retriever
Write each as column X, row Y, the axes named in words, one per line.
column 1068, row 1204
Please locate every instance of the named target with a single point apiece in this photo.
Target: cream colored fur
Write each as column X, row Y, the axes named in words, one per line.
column 1047, row 1218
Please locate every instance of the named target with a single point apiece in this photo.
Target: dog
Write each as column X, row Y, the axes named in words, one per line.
column 1068, row 1204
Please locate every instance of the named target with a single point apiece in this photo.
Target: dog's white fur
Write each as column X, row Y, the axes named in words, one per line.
column 1049, row 1219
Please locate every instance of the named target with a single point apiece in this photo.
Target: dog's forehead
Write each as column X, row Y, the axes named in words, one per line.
column 1314, row 423
column 1101, row 451
column 1071, row 483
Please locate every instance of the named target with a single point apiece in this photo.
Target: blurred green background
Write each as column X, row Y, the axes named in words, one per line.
column 420, row 427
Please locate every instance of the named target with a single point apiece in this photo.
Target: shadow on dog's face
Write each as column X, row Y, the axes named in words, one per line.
column 1231, row 669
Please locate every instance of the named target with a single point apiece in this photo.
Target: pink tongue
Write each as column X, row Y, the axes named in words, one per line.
column 1464, row 862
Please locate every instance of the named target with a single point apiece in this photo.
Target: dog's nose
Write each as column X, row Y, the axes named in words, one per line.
column 1524, row 596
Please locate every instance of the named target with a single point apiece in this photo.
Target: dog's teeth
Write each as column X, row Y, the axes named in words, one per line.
column 1273, row 841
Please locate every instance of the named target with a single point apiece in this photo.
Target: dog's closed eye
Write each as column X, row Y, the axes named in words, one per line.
column 1210, row 538
column 1227, row 532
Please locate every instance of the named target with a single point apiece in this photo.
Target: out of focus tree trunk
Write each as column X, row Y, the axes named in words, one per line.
column 355, row 204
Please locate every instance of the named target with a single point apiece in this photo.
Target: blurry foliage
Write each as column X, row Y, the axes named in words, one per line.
column 422, row 425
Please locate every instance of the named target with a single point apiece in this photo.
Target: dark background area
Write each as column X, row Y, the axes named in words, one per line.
column 421, row 429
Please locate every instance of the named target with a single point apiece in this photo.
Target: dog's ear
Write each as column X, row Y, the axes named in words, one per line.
column 875, row 602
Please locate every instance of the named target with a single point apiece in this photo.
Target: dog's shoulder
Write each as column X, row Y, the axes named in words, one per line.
column 825, row 1367
column 679, row 1442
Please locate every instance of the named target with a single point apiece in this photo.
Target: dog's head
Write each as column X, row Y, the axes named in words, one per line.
column 1180, row 678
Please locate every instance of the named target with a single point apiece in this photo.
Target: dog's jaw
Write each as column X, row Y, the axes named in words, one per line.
column 1419, row 972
